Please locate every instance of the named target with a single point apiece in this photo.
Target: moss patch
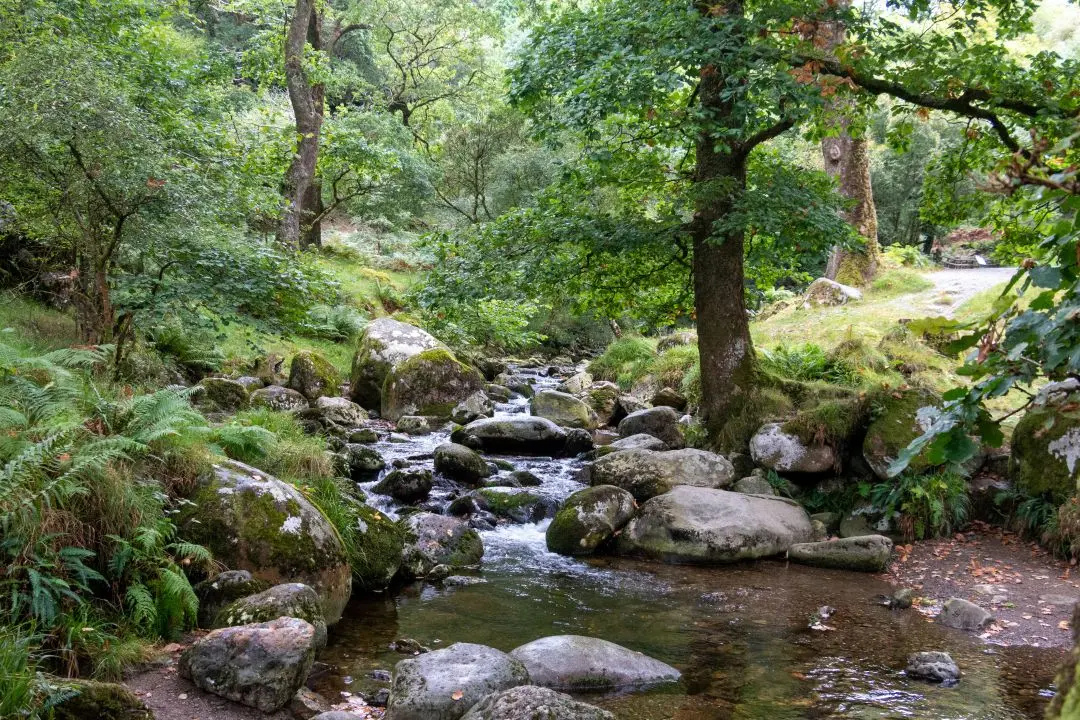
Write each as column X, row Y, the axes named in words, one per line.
column 1042, row 444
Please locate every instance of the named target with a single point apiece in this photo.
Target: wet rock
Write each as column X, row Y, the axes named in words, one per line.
column 830, row 520
column 577, row 662
column 431, row 383
column 564, row 410
column 313, row 376
column 460, row 463
column 408, row 646
column 363, row 435
column 588, row 518
column 934, row 666
column 92, row 700
column 963, row 615
column 225, row 587
column 519, row 384
column 385, row 344
column 361, row 462
column 519, row 506
column 669, row 397
column 497, row 393
column 406, row 486
column 252, row 521
column 278, row 398
column 754, row 485
column 413, row 425
column 519, row 435
column 578, row 441
column 474, row 407
column 773, row 448
column 576, row 384
column 603, row 399
column 528, row 702
column 824, row 292
column 438, row 540
column 378, row 543
column 660, row 422
column 222, row 395
column 294, row 600
column 869, row 553
column 340, row 411
column 641, row 441
column 902, row 599
column 647, row 473
column 1046, row 453
column 260, row 665
column 445, row 684
column 307, row 704
column 702, row 525
column 524, row 478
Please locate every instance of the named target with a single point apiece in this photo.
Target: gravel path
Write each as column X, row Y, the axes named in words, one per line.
column 953, row 288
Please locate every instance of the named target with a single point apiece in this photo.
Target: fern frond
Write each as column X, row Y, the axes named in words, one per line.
column 141, row 606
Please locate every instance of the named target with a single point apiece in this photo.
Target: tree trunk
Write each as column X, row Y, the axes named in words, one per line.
column 307, row 103
column 311, row 226
column 848, row 160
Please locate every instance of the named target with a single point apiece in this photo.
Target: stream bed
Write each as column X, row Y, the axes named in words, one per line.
column 740, row 634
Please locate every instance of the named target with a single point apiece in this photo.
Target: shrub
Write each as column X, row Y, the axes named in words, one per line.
column 906, row 256
column 923, row 506
column 671, row 367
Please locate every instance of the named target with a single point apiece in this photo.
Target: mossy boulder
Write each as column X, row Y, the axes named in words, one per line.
column 1046, row 453
column 252, row 521
column 576, row 383
column 430, row 383
column 276, row 397
column 385, row 344
column 360, row 462
column 313, row 376
column 222, row 395
column 899, row 418
column 222, row 589
column 824, row 292
column 603, row 399
column 775, row 448
column 868, row 553
column 100, row 701
column 660, row 422
column 524, row 435
column 460, row 463
column 519, row 506
column 588, row 518
column 648, row 473
column 432, row 540
column 406, row 485
column 564, row 409
column 339, row 411
column 375, row 547
column 294, row 600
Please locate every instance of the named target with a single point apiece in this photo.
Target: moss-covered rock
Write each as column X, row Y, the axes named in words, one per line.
column 431, row 383
column 459, row 463
column 518, row 506
column 588, row 518
column 313, row 376
column 360, row 462
column 375, row 547
column 603, row 399
column 1046, row 453
column 564, row 409
column 100, row 701
column 224, row 588
column 648, row 473
column 899, row 418
column 252, row 521
column 294, row 600
column 433, row 540
column 385, row 344
column 279, row 398
column 406, row 485
column 222, row 395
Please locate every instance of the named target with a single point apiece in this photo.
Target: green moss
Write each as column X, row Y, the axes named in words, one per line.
column 430, row 383
column 314, row 376
column 502, row 503
column 834, row 422
column 100, row 701
column 1034, row 468
column 899, row 282
column 895, row 425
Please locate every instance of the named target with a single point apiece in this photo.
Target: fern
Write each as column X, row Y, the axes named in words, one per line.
column 141, row 606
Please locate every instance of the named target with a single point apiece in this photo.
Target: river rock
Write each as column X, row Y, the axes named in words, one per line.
column 773, row 448
column 564, row 410
column 413, row 425
column 313, row 376
column 576, row 383
column 963, row 615
column 276, row 397
column 474, row 407
column 519, row 506
column 432, row 382
column 603, row 399
column 824, row 292
column 528, row 702
column 260, row 665
column 754, row 485
column 445, row 684
column 497, row 393
column 294, row 600
column 518, row 435
column 361, row 462
column 407, row 486
column 869, row 553
column 702, row 525
column 252, row 521
column 225, row 587
column 377, row 544
column 660, row 422
column 669, row 397
column 222, row 395
column 577, row 662
column 1045, row 455
column 93, row 700
column 641, row 441
column 340, row 411
column 385, row 344
column 438, row 540
column 460, row 463
column 588, row 518
column 934, row 666
column 647, row 473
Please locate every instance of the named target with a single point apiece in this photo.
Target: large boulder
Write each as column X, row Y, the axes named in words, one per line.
column 773, row 448
column 519, row 506
column 520, row 435
column 222, row 395
column 445, row 684
column 648, row 473
column 339, row 411
column 438, row 540
column 385, row 344
column 660, row 422
column 641, row 441
column 588, row 518
column 575, row 384
column 1046, row 453
column 824, row 292
column 460, row 463
column 294, row 600
column 432, row 383
column 252, row 521
column 701, row 525
column 964, row 615
column 529, row 702
column 225, row 587
column 278, row 398
column 577, row 662
column 376, row 545
column 261, row 665
column 406, row 485
column 603, row 398
column 669, row 397
column 868, row 553
column 92, row 700
column 900, row 418
column 361, row 462
column 312, row 375
column 564, row 409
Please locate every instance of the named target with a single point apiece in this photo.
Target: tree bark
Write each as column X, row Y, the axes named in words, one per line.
column 307, row 103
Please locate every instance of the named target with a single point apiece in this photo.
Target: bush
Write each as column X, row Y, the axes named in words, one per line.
column 924, row 506
column 906, row 256
column 624, row 361
column 671, row 367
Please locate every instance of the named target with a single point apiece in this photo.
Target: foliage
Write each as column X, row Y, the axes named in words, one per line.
column 906, row 256
column 334, row 322
column 621, row 358
column 487, row 322
column 807, row 362
column 923, row 506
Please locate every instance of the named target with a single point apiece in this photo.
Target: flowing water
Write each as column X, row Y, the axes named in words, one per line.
column 740, row 634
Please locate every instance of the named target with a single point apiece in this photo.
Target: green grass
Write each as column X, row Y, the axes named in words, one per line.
column 899, row 282
column 32, row 326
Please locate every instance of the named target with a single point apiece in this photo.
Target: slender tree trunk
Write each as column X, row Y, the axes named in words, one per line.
column 307, row 103
column 848, row 160
column 311, row 227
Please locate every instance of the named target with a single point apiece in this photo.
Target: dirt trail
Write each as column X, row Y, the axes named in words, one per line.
column 953, row 288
